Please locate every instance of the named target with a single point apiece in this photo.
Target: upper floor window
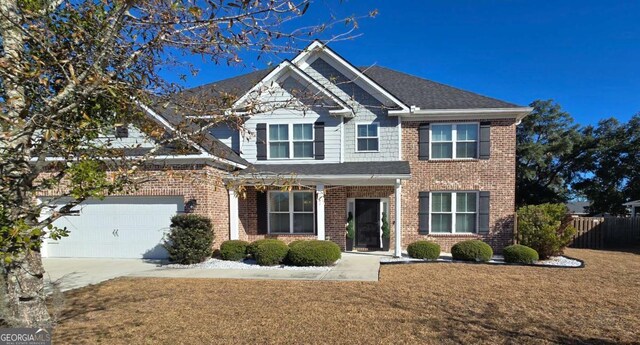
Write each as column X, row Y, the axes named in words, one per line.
column 454, row 141
column 282, row 144
column 367, row 137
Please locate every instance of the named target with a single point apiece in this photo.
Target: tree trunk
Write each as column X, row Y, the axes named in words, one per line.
column 24, row 281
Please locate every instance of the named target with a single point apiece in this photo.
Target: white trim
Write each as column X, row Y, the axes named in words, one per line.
column 454, row 195
column 360, row 123
column 342, row 141
column 286, row 64
column 418, row 114
column 399, row 138
column 234, row 233
column 204, row 152
column 319, row 212
column 319, row 46
column 454, row 141
column 290, row 212
column 397, row 252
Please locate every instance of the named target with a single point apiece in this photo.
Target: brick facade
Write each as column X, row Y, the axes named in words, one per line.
column 496, row 175
column 202, row 183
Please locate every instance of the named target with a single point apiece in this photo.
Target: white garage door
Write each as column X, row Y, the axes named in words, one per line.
column 116, row 227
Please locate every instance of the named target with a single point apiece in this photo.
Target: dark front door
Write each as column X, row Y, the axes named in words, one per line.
column 368, row 223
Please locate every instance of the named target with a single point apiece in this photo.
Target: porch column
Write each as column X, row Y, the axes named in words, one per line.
column 398, row 194
column 233, row 216
column 320, row 210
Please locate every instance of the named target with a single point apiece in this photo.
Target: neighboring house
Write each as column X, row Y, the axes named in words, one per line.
column 438, row 161
column 578, row 208
column 634, row 208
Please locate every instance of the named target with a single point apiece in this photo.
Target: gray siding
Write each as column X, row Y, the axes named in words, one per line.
column 135, row 139
column 227, row 135
column 367, row 110
column 283, row 116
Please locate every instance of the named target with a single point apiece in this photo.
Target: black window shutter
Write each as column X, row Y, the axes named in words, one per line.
column 122, row 131
column 261, row 141
column 423, row 213
column 485, row 140
column 318, row 142
column 483, row 213
column 261, row 212
column 423, row 141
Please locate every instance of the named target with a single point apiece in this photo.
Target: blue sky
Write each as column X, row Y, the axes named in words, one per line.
column 583, row 54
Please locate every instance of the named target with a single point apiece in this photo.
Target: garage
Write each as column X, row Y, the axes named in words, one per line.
column 116, row 227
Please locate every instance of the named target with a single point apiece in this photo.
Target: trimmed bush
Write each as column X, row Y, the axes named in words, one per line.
column 546, row 228
column 520, row 254
column 233, row 250
column 270, row 252
column 190, row 239
column 313, row 253
column 251, row 248
column 471, row 250
column 424, row 250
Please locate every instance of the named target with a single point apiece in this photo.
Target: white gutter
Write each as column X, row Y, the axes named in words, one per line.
column 462, row 114
column 258, row 175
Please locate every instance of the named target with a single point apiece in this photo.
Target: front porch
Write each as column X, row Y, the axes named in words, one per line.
column 318, row 207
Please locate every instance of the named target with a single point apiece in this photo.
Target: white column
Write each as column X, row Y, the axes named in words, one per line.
column 320, row 210
column 398, row 195
column 233, row 216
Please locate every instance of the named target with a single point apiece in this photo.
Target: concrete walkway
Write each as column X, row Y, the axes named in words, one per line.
column 352, row 267
column 73, row 273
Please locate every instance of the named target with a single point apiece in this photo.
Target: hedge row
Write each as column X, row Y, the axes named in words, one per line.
column 270, row 252
column 472, row 250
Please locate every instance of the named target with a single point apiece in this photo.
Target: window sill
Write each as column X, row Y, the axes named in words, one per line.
column 448, row 234
column 290, row 234
column 453, row 160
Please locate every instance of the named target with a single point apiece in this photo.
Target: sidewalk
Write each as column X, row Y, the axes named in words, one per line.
column 352, row 267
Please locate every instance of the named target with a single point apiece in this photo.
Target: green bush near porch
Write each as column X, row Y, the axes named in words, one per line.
column 520, row 254
column 270, row 252
column 472, row 250
column 251, row 248
column 313, row 253
column 424, row 250
column 233, row 250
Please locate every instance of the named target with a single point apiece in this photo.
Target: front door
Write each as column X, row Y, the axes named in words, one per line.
column 368, row 223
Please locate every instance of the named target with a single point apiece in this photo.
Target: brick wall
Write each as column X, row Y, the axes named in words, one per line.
column 202, row 183
column 335, row 213
column 496, row 175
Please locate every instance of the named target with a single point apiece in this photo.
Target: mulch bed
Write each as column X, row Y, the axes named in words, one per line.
column 418, row 304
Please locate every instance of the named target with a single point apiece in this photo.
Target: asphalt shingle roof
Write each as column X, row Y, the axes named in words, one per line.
column 347, row 168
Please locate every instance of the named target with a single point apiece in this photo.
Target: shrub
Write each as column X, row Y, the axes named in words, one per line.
column 424, row 250
column 471, row 250
column 350, row 227
column 233, row 250
column 386, row 231
column 190, row 239
column 251, row 248
column 270, row 252
column 313, row 253
column 545, row 228
column 520, row 254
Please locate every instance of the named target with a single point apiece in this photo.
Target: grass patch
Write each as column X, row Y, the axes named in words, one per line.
column 421, row 304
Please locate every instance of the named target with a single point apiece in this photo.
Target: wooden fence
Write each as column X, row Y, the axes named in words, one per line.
column 606, row 232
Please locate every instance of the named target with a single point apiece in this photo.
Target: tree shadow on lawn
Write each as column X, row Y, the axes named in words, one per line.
column 626, row 249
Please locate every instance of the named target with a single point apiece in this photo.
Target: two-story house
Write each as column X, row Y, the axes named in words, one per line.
column 320, row 140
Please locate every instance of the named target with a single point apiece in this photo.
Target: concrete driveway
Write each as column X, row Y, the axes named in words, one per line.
column 73, row 273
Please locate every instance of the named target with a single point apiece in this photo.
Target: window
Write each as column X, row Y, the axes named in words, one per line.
column 281, row 144
column 279, row 141
column 367, row 137
column 455, row 141
column 291, row 212
column 454, row 212
column 303, row 140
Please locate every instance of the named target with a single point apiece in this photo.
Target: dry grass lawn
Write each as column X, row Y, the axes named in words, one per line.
column 413, row 304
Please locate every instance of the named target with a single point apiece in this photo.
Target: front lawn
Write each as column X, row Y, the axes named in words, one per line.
column 419, row 304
